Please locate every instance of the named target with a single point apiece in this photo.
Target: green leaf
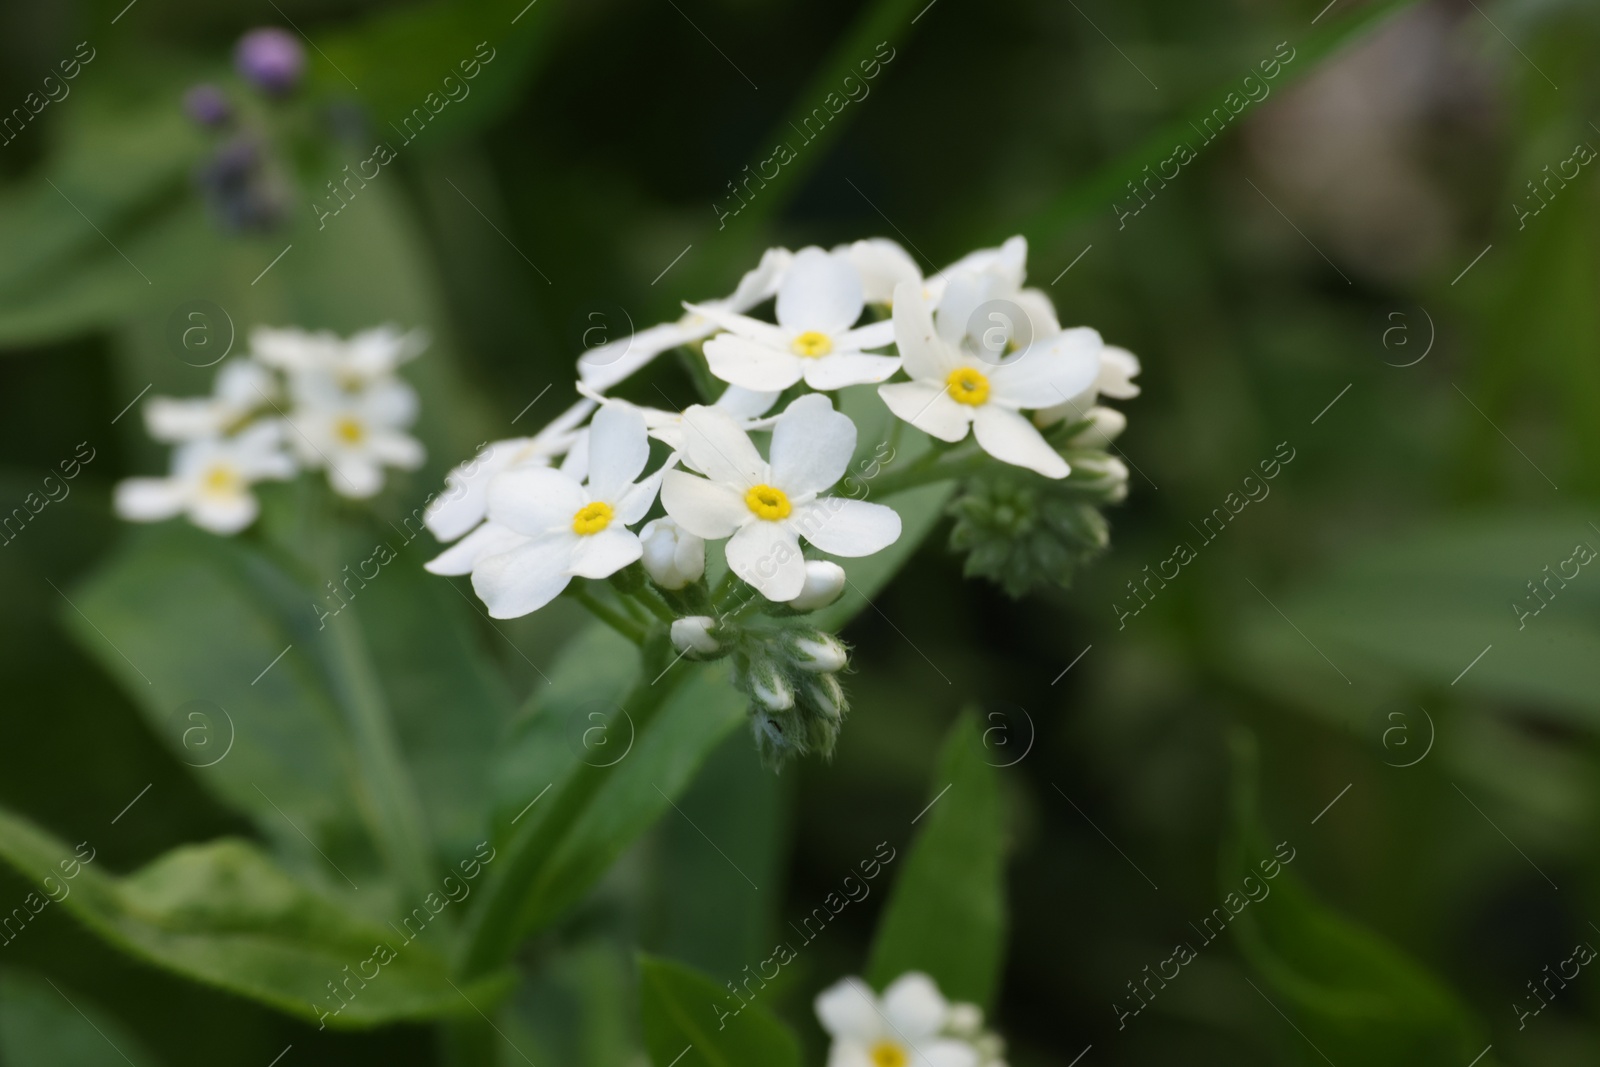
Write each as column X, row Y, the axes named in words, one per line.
column 576, row 803
column 946, row 914
column 691, row 1021
column 1355, row 997
column 222, row 913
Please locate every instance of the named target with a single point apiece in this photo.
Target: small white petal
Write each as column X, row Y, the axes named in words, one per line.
column 845, row 527
column 636, row 500
column 914, row 1006
column 224, row 513
column 946, row 1052
column 744, row 403
column 848, row 368
column 929, row 407
column 1009, row 437
column 715, row 444
column 1118, row 367
column 1048, row 372
column 618, row 450
column 355, row 476
column 811, row 445
column 767, row 555
column 487, row 540
column 526, row 578
column 848, row 1009
column 712, row 510
column 821, row 292
column 883, row 264
column 751, row 364
column 924, row 354
column 535, row 500
column 149, row 499
column 872, row 335
column 395, row 449
column 603, row 554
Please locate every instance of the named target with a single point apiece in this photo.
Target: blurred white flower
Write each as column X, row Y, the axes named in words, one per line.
column 241, row 387
column 909, row 1026
column 354, row 434
column 882, row 264
column 764, row 508
column 673, row 557
column 464, row 502
column 815, row 337
column 952, row 388
column 210, row 481
column 606, row 365
column 550, row 528
column 352, row 363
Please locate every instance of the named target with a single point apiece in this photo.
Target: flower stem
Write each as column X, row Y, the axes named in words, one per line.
column 607, row 614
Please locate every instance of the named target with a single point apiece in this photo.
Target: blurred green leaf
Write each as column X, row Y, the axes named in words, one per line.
column 946, row 913
column 1355, row 997
column 222, row 913
column 689, row 1020
column 41, row 1025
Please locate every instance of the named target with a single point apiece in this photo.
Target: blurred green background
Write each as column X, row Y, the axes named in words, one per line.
column 1322, row 251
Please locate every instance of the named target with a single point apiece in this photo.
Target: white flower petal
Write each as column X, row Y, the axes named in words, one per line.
column 1009, row 437
column 716, row 445
column 752, row 364
column 850, row 1054
column 1048, row 372
column 535, row 500
column 744, row 403
column 929, row 407
column 848, row 368
column 489, row 539
column 811, row 445
column 396, row 449
column 636, row 500
column 224, row 513
column 964, row 293
column 767, row 555
column 605, row 365
column 925, row 356
column 821, row 292
column 618, row 450
column 603, row 554
column 872, row 335
column 882, row 264
column 463, row 503
column 846, row 527
column 848, row 1009
column 355, row 476
column 914, row 1007
column 718, row 317
column 526, row 578
column 389, row 402
column 149, row 499
column 1118, row 367
column 712, row 510
column 946, row 1052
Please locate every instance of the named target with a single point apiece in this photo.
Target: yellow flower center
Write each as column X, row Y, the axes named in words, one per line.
column 967, row 386
column 812, row 345
column 349, row 430
column 591, row 518
column 768, row 503
column 221, row 480
column 888, row 1054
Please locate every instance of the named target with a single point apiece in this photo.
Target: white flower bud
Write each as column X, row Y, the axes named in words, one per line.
column 692, row 634
column 965, row 1020
column 824, row 583
column 817, row 651
column 771, row 689
column 673, row 557
column 1105, row 426
column 827, row 696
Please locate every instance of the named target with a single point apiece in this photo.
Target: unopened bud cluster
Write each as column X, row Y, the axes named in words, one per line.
column 791, row 676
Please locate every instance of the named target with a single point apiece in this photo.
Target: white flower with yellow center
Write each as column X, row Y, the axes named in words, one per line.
column 242, row 387
column 553, row 528
column 354, row 434
column 953, row 389
column 607, row 364
column 210, row 481
column 815, row 337
column 465, row 501
column 763, row 507
column 352, row 363
column 906, row 1027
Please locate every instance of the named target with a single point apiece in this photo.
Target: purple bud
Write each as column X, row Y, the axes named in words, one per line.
column 271, row 59
column 206, row 105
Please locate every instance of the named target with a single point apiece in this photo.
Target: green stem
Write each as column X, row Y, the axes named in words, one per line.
column 607, row 614
column 927, row 469
column 495, row 927
column 656, row 603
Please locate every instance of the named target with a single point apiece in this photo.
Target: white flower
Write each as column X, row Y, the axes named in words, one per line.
column 242, row 385
column 210, row 481
column 882, row 264
column 465, row 500
column 692, row 634
column 904, row 1028
column 766, row 507
column 824, row 583
column 550, row 528
column 354, row 434
column 364, row 358
column 818, row 303
column 606, row 365
column 952, row 388
column 673, row 557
